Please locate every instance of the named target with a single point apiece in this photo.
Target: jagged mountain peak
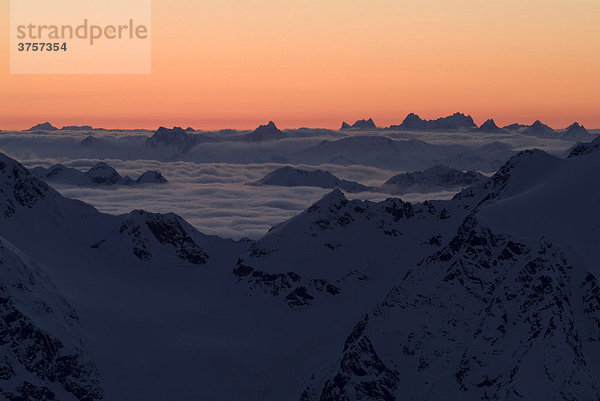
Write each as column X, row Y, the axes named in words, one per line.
column 517, row 174
column 490, row 126
column 360, row 125
column 335, row 197
column 456, row 121
column 18, row 188
column 43, row 127
column 265, row 132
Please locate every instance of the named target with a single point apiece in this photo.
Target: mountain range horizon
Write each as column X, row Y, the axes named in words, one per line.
column 361, row 124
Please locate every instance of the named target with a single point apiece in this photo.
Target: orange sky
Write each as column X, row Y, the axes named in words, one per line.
column 236, row 64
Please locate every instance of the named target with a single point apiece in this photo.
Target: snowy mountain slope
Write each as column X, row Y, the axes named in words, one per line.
column 431, row 180
column 483, row 318
column 132, row 278
column 337, row 242
column 292, row 177
column 25, row 201
column 189, row 316
column 42, row 356
column 537, row 195
column 585, row 148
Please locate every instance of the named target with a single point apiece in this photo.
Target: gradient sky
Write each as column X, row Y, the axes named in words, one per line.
column 236, row 64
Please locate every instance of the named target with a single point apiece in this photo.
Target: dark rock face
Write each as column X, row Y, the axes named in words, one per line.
column 177, row 138
column 362, row 375
column 143, row 230
column 20, row 188
column 585, row 148
column 474, row 321
column 457, row 121
column 170, row 231
column 294, row 290
column 39, row 361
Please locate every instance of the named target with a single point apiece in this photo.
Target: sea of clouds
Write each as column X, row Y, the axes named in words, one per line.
column 214, row 195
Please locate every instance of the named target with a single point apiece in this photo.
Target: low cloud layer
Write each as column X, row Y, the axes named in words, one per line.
column 215, row 197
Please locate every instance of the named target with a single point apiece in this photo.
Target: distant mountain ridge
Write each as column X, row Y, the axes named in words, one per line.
column 292, row 177
column 359, row 125
column 456, row 121
column 437, row 178
column 101, row 174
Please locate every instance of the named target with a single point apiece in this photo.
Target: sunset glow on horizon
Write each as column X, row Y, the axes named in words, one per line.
column 233, row 64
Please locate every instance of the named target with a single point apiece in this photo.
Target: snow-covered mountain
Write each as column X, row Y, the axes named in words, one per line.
column 437, row 178
column 101, row 174
column 292, row 177
column 490, row 295
column 585, row 148
column 486, row 317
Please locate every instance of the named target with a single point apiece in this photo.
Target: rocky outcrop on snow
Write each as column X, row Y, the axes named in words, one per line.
column 581, row 149
column 482, row 318
column 41, row 354
column 146, row 232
